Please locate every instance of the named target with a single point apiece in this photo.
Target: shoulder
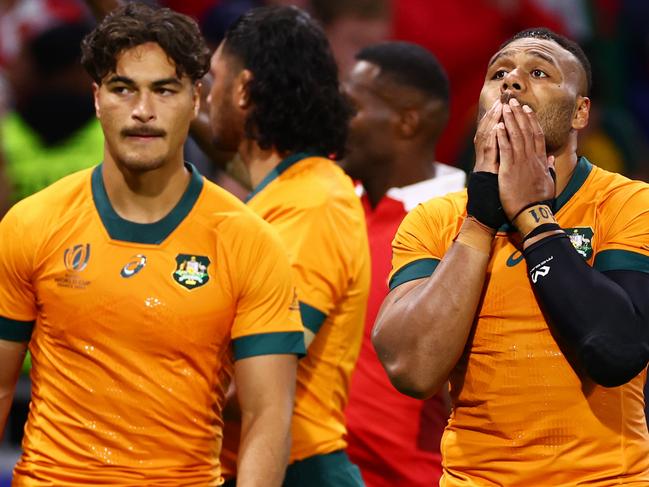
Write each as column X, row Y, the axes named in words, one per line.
column 56, row 203
column 441, row 210
column 615, row 193
column 231, row 220
column 318, row 180
column 318, row 187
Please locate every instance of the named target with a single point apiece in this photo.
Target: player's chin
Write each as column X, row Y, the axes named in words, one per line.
column 143, row 164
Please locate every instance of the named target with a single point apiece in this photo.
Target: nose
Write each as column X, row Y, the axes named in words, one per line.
column 143, row 111
column 512, row 82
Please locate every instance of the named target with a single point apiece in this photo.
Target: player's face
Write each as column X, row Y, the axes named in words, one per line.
column 543, row 75
column 369, row 141
column 226, row 119
column 145, row 109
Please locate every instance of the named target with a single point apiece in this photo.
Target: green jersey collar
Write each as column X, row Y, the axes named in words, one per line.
column 144, row 233
column 577, row 180
column 278, row 170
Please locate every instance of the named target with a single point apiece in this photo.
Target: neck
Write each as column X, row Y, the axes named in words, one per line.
column 144, row 196
column 565, row 162
column 258, row 161
column 408, row 167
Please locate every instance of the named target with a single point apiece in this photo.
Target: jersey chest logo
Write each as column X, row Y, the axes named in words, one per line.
column 76, row 260
column 191, row 270
column 581, row 239
column 134, row 265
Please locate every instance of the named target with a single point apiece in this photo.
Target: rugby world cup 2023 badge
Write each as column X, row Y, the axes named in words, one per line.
column 191, row 270
column 75, row 259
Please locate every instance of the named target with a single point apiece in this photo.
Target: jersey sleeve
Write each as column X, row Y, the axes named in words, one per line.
column 267, row 319
column 17, row 297
column 624, row 227
column 421, row 241
column 320, row 242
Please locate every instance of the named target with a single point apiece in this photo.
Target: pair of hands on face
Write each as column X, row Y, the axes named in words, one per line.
column 510, row 142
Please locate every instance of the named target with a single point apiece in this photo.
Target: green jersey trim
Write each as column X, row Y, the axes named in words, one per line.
column 577, row 180
column 417, row 269
column 16, row 331
column 621, row 260
column 144, row 233
column 283, row 342
column 278, row 170
column 312, row 318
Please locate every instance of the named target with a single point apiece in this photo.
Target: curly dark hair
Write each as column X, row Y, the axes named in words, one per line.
column 296, row 101
column 135, row 24
column 568, row 44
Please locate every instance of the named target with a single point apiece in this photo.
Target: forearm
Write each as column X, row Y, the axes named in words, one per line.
column 592, row 314
column 264, row 450
column 419, row 336
column 12, row 355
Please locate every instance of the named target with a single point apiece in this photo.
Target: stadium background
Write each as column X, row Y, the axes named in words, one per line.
column 40, row 76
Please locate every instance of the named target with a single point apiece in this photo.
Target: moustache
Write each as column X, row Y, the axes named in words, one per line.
column 143, row 132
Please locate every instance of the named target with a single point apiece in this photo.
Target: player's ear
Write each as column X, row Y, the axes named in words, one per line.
column 196, row 96
column 582, row 113
column 95, row 93
column 409, row 121
column 243, row 89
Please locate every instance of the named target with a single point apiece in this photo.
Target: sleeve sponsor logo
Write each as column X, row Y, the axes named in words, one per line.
column 541, row 270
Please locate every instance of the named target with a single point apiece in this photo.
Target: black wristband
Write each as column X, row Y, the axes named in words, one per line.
column 484, row 200
column 545, row 227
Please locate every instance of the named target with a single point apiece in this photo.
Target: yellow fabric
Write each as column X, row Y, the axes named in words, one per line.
column 317, row 214
column 129, row 374
column 32, row 166
column 521, row 415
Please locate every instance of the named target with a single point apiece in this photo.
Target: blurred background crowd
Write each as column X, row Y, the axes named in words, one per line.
column 48, row 127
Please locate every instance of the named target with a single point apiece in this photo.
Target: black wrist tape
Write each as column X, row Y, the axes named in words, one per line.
column 545, row 227
column 484, row 200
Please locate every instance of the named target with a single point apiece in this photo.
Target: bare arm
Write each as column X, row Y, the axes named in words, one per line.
column 266, row 390
column 423, row 325
column 12, row 355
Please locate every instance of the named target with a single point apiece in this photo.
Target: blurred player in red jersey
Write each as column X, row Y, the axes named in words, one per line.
column 401, row 96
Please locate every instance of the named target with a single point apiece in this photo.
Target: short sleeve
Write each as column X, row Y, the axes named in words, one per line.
column 267, row 319
column 17, row 297
column 624, row 229
column 422, row 240
column 321, row 241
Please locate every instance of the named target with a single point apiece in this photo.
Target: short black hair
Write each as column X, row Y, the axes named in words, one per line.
column 135, row 24
column 296, row 101
column 409, row 65
column 569, row 45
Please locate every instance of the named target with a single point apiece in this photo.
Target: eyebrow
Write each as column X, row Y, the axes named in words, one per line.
column 156, row 84
column 534, row 53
